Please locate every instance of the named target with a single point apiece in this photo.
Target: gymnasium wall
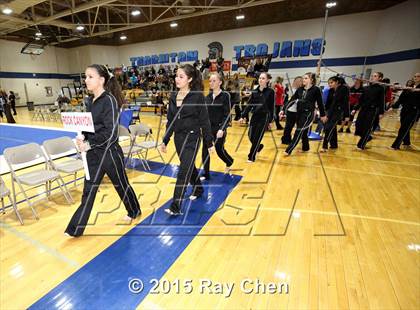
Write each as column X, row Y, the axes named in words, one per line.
column 349, row 38
column 83, row 56
column 33, row 73
column 384, row 37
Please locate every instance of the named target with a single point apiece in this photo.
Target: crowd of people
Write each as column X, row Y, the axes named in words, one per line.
column 7, row 105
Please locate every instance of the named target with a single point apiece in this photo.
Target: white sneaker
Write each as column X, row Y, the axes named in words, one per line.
column 172, row 213
column 202, row 178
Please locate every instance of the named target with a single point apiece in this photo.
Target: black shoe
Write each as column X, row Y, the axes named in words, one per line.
column 136, row 215
column 260, row 147
column 348, row 130
column 340, row 130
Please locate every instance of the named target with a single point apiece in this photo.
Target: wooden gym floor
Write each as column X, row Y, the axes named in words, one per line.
column 339, row 230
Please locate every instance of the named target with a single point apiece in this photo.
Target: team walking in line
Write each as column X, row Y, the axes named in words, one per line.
column 193, row 118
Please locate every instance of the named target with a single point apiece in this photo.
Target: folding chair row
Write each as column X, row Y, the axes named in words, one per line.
column 27, row 155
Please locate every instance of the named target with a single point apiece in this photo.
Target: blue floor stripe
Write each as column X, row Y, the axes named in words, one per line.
column 146, row 252
column 17, row 135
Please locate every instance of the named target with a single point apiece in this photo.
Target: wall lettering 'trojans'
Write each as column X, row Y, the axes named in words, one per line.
column 164, row 58
column 297, row 48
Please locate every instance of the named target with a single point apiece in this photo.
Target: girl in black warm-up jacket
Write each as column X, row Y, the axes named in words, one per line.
column 337, row 109
column 104, row 154
column 372, row 106
column 410, row 101
column 261, row 104
column 189, row 120
column 306, row 98
column 219, row 107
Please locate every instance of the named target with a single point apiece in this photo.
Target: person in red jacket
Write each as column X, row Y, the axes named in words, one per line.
column 355, row 92
column 279, row 91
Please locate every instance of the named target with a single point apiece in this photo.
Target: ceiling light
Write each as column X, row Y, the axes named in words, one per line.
column 330, row 5
column 135, row 13
column 173, row 25
column 7, row 11
column 240, row 16
column 37, row 38
column 80, row 27
column 123, row 37
column 38, row 34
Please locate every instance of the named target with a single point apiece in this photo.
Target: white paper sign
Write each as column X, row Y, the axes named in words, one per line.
column 78, row 121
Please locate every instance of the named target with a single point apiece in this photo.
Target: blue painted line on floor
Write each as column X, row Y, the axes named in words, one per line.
column 146, row 252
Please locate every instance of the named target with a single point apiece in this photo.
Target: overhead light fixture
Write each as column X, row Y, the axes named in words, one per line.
column 7, row 11
column 330, row 5
column 37, row 38
column 38, row 34
column 123, row 37
column 240, row 16
column 173, row 25
column 135, row 13
column 80, row 27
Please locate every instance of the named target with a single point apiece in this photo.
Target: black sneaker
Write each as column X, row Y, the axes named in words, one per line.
column 348, row 130
column 341, row 130
column 260, row 147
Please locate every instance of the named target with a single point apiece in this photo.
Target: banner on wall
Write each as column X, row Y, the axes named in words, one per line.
column 283, row 49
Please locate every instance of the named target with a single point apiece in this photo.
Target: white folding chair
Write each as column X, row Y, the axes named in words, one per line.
column 143, row 130
column 5, row 192
column 59, row 148
column 130, row 149
column 27, row 155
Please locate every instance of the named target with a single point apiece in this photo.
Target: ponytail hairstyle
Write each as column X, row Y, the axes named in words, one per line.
column 268, row 75
column 220, row 77
column 111, row 84
column 380, row 74
column 197, row 83
column 312, row 77
column 338, row 79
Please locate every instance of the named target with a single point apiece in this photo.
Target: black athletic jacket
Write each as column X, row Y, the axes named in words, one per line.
column 307, row 99
column 410, row 101
column 340, row 101
column 373, row 97
column 105, row 115
column 219, row 110
column 191, row 116
column 260, row 103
